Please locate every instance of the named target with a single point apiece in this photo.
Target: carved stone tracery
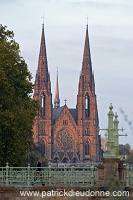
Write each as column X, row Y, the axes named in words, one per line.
column 64, row 141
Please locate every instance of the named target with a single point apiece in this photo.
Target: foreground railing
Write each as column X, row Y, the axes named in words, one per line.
column 129, row 175
column 72, row 176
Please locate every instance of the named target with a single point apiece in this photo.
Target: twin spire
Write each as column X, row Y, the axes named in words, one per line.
column 42, row 71
column 87, row 54
column 86, row 64
column 42, row 61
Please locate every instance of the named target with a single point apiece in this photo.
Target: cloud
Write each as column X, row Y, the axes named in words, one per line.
column 98, row 3
column 119, row 47
column 9, row 2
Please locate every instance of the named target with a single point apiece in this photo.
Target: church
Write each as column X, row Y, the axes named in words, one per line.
column 67, row 135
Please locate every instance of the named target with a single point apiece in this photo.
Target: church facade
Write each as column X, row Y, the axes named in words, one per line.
column 66, row 135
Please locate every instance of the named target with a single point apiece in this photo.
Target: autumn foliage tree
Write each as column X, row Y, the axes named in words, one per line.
column 17, row 108
column 104, row 143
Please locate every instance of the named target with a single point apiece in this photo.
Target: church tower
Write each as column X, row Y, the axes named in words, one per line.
column 87, row 114
column 63, row 134
column 42, row 93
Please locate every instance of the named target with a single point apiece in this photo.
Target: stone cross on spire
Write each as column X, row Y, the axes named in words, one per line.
column 43, row 18
column 87, row 20
column 65, row 101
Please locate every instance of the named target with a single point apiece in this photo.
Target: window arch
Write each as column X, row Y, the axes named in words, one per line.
column 87, row 148
column 87, row 131
column 43, row 128
column 65, row 160
column 56, row 160
column 74, row 160
column 43, row 147
column 87, row 105
column 42, row 104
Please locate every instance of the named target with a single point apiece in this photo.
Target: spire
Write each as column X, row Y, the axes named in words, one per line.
column 57, row 100
column 87, row 55
column 93, row 82
column 42, row 61
column 86, row 64
column 42, row 80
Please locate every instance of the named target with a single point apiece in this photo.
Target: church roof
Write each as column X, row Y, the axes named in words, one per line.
column 123, row 150
column 58, row 111
column 73, row 113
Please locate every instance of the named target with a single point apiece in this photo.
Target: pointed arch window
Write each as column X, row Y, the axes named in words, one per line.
column 42, row 104
column 87, row 105
column 87, row 148
column 43, row 128
column 43, row 147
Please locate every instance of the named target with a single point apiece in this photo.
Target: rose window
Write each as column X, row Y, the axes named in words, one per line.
column 64, row 141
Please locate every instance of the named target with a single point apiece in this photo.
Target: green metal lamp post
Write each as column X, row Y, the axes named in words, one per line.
column 111, row 171
column 116, row 135
column 113, row 136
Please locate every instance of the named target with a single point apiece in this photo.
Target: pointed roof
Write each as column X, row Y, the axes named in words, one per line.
column 42, row 70
column 86, row 63
column 87, row 54
column 56, row 99
column 93, row 82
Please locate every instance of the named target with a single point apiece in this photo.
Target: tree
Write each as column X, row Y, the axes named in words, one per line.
column 33, row 156
column 104, row 143
column 129, row 159
column 128, row 147
column 17, row 108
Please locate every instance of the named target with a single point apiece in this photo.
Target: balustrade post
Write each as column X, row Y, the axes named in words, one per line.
column 28, row 181
column 131, row 175
column 92, row 175
column 49, row 169
column 7, row 174
column 127, row 175
column 65, row 175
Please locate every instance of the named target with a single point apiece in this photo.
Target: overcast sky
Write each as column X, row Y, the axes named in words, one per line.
column 111, row 41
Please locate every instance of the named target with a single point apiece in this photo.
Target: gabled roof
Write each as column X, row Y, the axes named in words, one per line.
column 58, row 111
column 123, row 150
column 73, row 113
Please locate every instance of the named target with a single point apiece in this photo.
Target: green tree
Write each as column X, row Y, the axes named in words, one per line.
column 128, row 147
column 33, row 156
column 17, row 108
column 104, row 143
column 129, row 159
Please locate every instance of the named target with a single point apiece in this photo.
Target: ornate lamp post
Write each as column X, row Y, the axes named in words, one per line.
column 111, row 172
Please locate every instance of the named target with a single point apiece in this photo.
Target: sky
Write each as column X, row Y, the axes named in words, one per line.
column 111, row 43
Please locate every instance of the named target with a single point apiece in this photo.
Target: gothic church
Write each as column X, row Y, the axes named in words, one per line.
column 67, row 135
